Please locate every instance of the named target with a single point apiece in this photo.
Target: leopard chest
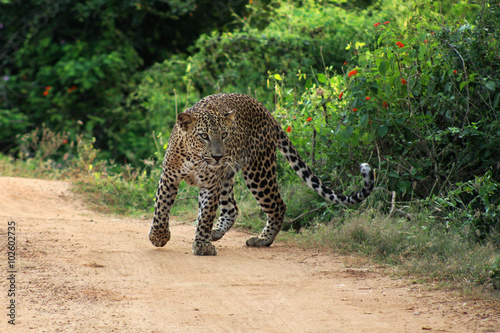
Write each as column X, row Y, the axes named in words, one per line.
column 203, row 176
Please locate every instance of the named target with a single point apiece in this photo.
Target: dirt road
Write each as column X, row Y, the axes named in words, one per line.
column 80, row 271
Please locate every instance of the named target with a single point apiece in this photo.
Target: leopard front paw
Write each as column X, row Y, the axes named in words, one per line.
column 203, row 248
column 258, row 242
column 157, row 238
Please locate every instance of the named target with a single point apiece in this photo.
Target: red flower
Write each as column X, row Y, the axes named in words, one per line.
column 455, row 71
column 48, row 88
column 385, row 105
column 64, row 141
column 309, row 119
column 351, row 73
column 45, row 93
column 376, row 24
column 425, row 41
column 386, row 22
column 354, row 110
column 340, row 96
column 403, row 81
column 400, row 44
column 345, row 63
column 289, row 129
column 367, row 98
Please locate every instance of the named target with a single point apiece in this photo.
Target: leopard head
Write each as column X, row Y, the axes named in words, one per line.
column 207, row 134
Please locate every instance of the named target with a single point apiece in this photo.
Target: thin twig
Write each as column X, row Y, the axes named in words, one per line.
column 290, row 223
column 304, row 214
column 466, row 79
column 378, row 153
column 393, row 204
column 313, row 150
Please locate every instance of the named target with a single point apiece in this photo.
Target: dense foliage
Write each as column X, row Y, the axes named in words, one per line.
column 423, row 101
column 65, row 61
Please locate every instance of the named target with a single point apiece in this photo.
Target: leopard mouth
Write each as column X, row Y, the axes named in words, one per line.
column 214, row 163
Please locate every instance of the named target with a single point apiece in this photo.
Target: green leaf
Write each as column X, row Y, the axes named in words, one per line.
column 382, row 130
column 491, row 85
column 380, row 39
column 393, row 174
column 400, row 120
column 277, row 77
column 404, row 186
column 496, row 100
column 383, row 67
column 349, row 130
column 321, row 78
column 363, row 120
column 463, row 84
column 357, row 102
column 359, row 45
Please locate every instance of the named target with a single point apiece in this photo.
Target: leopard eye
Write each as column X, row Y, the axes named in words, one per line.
column 224, row 135
column 204, row 136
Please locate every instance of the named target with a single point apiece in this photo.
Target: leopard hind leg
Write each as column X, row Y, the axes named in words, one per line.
column 261, row 181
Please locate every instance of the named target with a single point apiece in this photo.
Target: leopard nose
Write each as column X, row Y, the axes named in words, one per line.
column 217, row 157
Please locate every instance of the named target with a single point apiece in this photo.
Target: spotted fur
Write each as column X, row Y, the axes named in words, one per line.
column 214, row 139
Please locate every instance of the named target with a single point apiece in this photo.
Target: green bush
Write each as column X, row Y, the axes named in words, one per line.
column 297, row 37
column 424, row 98
column 420, row 102
column 64, row 61
column 433, row 110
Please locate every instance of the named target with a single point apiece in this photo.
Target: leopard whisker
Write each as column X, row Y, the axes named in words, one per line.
column 231, row 166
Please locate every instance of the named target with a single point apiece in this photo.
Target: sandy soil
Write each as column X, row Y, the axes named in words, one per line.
column 80, row 271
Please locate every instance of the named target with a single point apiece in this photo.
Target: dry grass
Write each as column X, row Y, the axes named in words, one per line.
column 416, row 248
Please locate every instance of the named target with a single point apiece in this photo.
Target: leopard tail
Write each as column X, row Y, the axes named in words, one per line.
column 304, row 171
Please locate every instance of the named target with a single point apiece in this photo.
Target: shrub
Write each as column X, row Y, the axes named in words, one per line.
column 64, row 61
column 422, row 97
column 420, row 101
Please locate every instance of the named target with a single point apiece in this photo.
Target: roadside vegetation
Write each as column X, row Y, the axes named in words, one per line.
column 410, row 87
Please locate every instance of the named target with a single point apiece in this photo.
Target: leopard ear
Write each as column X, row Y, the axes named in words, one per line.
column 229, row 117
column 185, row 120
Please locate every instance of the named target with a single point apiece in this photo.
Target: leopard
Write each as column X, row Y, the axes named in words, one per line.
column 210, row 142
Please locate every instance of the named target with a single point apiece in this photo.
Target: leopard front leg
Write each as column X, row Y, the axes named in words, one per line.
column 228, row 208
column 159, row 233
column 208, row 202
